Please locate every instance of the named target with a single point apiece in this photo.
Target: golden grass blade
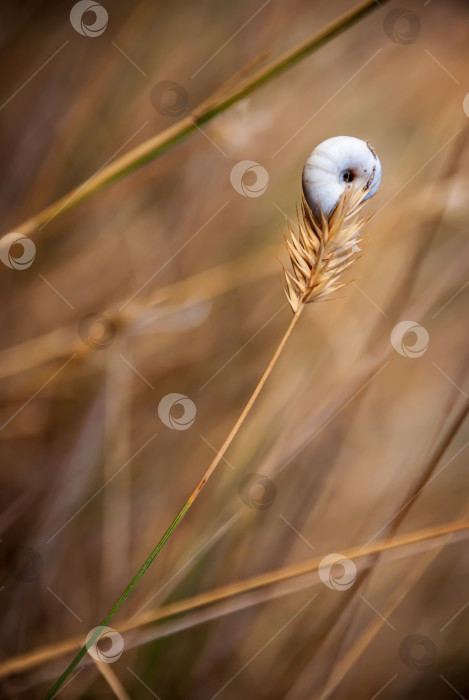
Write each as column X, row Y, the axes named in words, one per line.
column 202, row 286
column 216, row 104
column 112, row 680
column 339, row 670
column 366, row 637
column 262, row 581
column 431, row 464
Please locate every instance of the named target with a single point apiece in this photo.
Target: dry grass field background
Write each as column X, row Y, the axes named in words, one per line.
column 167, row 282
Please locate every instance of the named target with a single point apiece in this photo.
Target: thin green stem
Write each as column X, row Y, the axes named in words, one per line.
column 217, row 103
column 197, row 490
column 120, row 600
column 130, row 162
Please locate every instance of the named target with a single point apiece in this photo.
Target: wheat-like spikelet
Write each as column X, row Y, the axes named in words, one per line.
column 322, row 251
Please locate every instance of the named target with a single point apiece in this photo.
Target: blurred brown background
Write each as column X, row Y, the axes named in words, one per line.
column 183, row 268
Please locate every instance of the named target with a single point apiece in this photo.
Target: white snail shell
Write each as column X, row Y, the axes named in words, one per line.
column 337, row 164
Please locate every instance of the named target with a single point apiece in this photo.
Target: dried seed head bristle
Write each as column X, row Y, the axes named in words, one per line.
column 322, row 251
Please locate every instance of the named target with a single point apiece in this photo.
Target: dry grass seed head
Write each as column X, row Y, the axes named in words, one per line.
column 323, row 250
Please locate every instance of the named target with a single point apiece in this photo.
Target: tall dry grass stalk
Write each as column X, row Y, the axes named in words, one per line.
column 346, row 659
column 320, row 254
column 411, row 543
column 217, row 103
column 347, row 391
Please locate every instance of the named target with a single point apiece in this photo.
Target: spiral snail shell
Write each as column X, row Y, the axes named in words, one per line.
column 337, row 164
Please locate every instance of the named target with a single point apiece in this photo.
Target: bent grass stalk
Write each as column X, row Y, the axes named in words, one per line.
column 237, row 589
column 183, row 510
column 219, row 102
column 353, row 654
column 205, row 285
column 319, row 256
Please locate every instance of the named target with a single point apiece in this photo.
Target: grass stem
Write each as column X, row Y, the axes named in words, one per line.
column 179, row 517
column 219, row 102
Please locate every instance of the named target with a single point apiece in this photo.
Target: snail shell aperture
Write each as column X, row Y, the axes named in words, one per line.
column 337, row 164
